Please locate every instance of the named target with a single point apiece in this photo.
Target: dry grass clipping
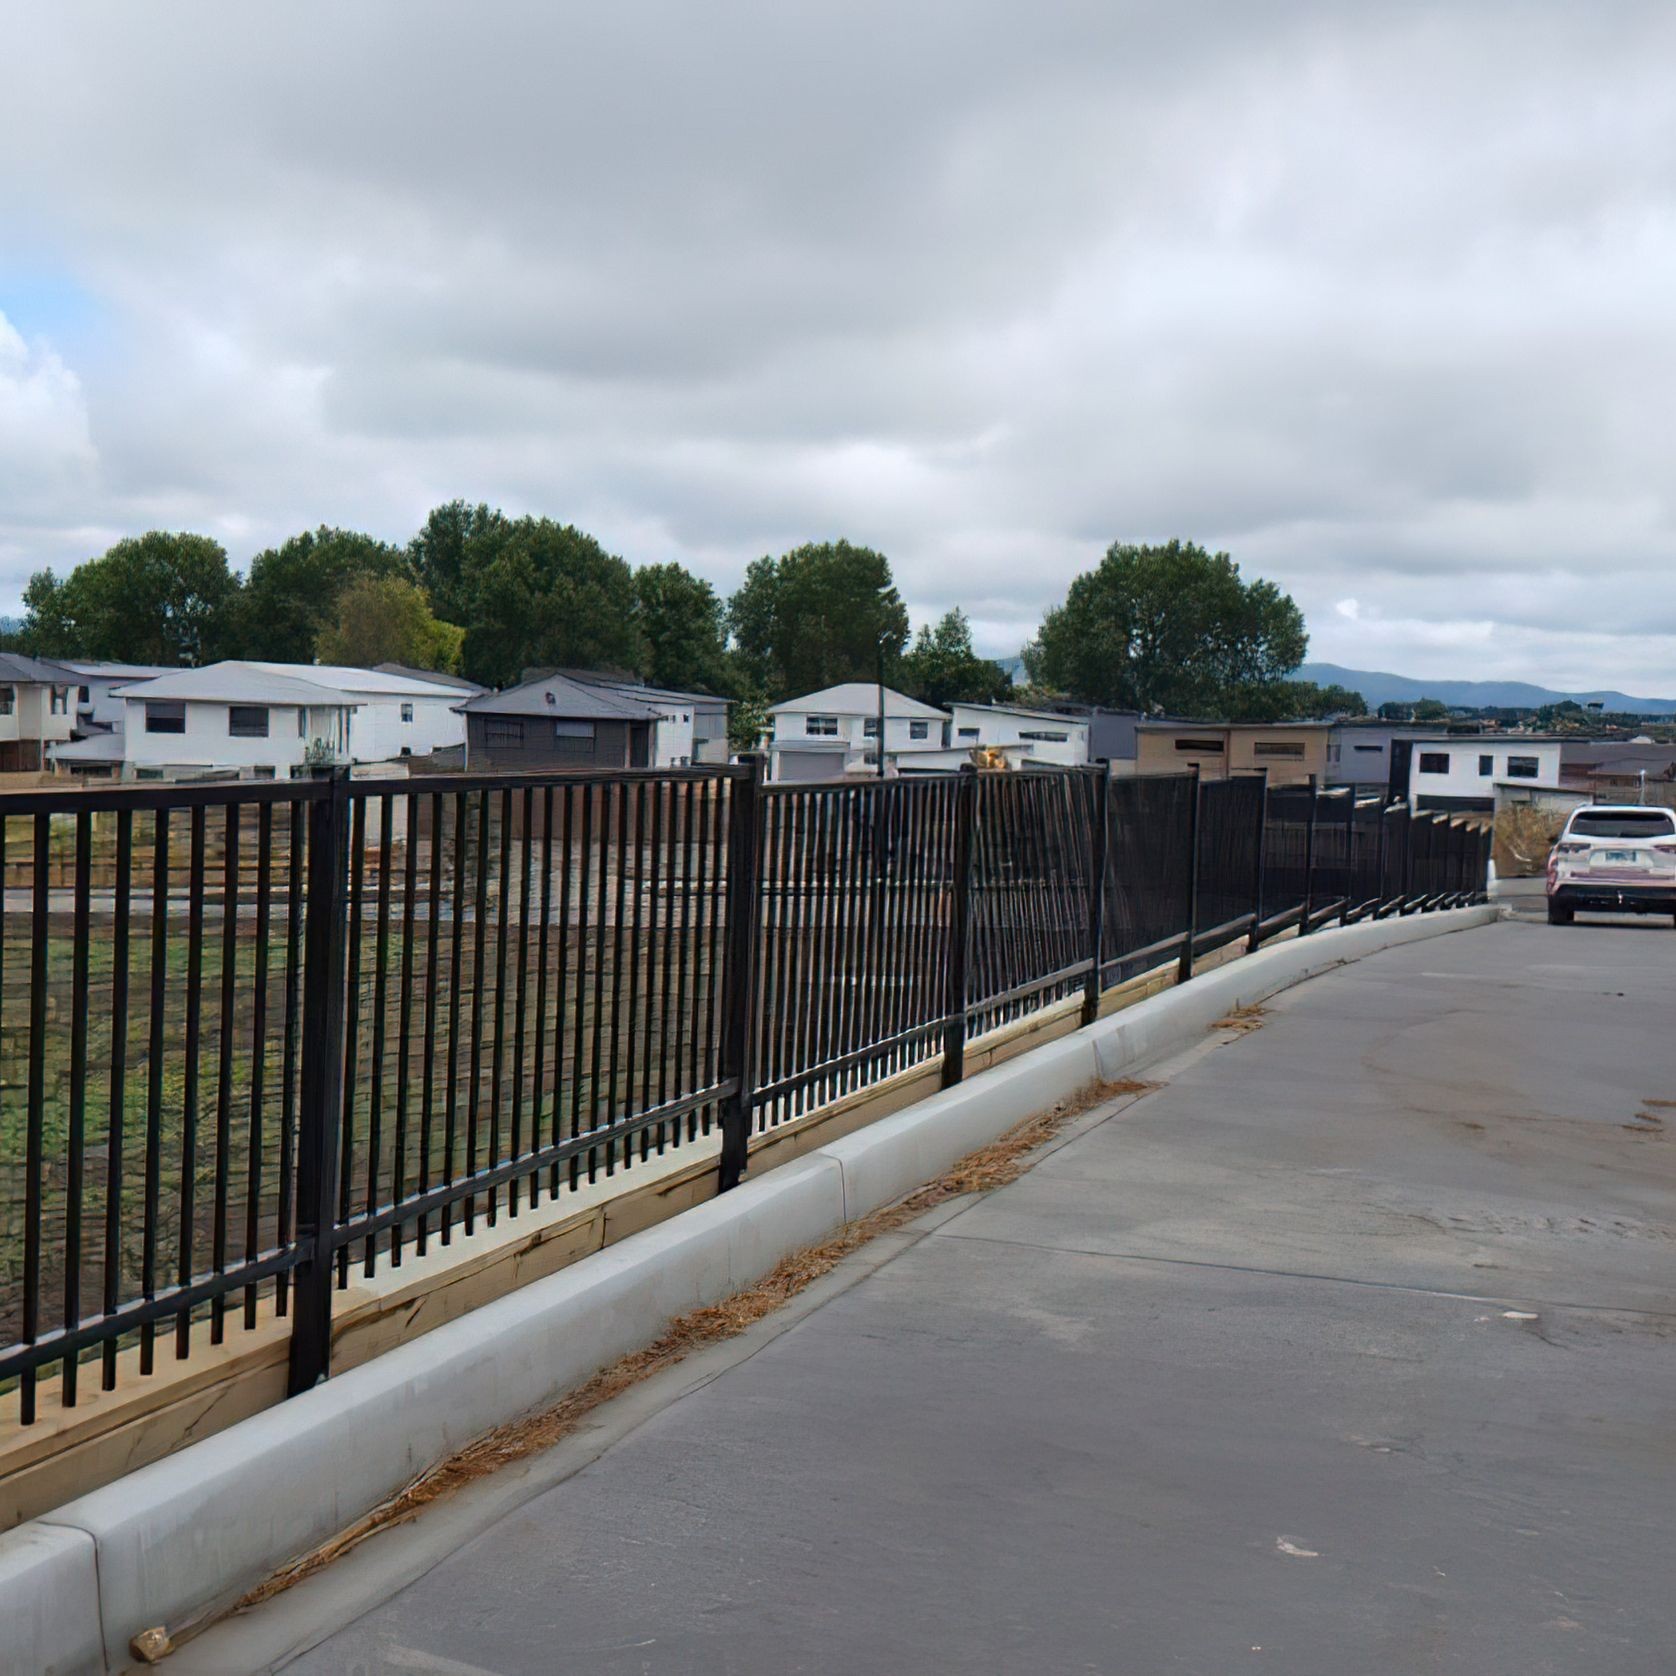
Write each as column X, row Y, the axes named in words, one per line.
column 1243, row 1020
column 979, row 1172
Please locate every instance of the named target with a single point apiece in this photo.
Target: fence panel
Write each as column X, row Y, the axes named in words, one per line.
column 1148, row 868
column 240, row 1064
column 1030, row 884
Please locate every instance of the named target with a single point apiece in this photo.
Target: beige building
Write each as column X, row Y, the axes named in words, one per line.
column 1290, row 751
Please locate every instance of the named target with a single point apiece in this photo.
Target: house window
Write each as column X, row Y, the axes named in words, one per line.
column 870, row 727
column 165, row 716
column 83, row 695
column 574, row 739
column 407, row 712
column 60, row 701
column 302, row 723
column 1434, row 762
column 8, row 700
column 1486, row 766
column 247, row 721
column 825, row 727
column 919, row 730
column 968, row 733
column 1199, row 745
column 1277, row 748
column 1370, row 750
column 1046, row 738
column 503, row 730
column 1523, row 768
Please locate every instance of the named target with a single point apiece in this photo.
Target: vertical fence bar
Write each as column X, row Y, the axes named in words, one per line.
column 1099, row 834
column 224, row 1062
column 322, row 1079
column 1259, row 867
column 33, row 1148
column 76, row 1140
column 1184, row 965
column 1304, row 925
column 158, row 977
column 744, row 852
column 960, row 928
column 119, row 1080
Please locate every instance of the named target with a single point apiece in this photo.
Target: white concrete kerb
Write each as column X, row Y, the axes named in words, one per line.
column 189, row 1533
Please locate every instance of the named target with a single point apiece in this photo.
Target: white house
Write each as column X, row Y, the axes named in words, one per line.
column 1464, row 771
column 824, row 735
column 37, row 710
column 1033, row 737
column 259, row 720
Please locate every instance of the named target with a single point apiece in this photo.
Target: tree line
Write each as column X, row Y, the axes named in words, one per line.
column 1172, row 628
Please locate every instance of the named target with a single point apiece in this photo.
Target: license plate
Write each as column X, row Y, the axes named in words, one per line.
column 1620, row 858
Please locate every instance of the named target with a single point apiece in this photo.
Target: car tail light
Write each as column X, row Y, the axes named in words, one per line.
column 1666, row 846
column 1572, row 849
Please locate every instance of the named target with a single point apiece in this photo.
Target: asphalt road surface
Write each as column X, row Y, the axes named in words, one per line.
column 1350, row 1349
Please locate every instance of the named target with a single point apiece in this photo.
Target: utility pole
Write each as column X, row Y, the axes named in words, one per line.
column 881, row 690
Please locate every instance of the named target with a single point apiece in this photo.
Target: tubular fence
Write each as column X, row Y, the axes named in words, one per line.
column 257, row 1039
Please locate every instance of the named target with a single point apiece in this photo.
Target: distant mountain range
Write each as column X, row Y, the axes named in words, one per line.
column 1377, row 688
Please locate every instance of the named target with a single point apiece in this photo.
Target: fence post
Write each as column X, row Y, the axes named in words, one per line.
column 960, row 927
column 744, row 865
column 1379, row 864
column 1254, row 941
column 320, row 1103
column 1099, row 777
column 1309, row 857
column 1184, row 966
column 1349, row 853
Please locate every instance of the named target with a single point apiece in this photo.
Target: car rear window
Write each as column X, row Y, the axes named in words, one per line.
column 1623, row 823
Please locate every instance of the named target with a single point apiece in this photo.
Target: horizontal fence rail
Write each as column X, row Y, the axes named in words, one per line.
column 257, row 1041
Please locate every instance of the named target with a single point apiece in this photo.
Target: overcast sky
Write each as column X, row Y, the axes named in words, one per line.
column 1381, row 298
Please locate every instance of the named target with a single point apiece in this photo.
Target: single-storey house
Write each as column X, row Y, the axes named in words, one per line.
column 1290, row 751
column 555, row 723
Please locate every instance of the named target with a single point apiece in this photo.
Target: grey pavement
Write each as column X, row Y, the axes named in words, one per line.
column 1351, row 1349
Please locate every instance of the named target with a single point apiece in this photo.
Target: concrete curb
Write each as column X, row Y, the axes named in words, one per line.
column 193, row 1532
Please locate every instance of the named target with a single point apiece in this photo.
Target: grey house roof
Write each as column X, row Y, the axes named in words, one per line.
column 234, row 682
column 558, row 695
column 26, row 671
column 457, row 682
column 627, row 687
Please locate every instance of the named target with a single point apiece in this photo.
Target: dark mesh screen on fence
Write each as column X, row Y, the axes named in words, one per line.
column 1146, row 863
column 1229, row 814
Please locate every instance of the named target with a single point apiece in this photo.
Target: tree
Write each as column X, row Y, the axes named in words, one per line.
column 1172, row 628
column 747, row 721
column 1295, row 701
column 942, row 668
column 159, row 598
column 816, row 616
column 549, row 596
column 1392, row 711
column 685, row 629
column 386, row 619
column 1430, row 710
column 457, row 543
column 291, row 593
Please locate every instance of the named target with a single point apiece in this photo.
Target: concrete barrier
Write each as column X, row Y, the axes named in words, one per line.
column 191, row 1533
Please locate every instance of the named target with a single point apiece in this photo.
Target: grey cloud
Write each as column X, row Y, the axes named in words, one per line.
column 1378, row 299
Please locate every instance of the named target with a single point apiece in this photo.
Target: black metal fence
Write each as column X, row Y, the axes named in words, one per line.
column 256, row 1039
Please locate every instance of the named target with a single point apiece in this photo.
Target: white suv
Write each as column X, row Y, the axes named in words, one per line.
column 1613, row 859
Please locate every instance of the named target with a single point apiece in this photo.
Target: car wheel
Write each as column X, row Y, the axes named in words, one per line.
column 1558, row 915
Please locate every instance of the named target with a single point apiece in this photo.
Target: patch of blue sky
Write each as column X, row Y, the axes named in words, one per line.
column 48, row 303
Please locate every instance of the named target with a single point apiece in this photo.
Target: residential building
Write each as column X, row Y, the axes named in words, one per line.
column 1465, row 772
column 1032, row 738
column 1619, row 771
column 99, row 706
column 1290, row 751
column 554, row 722
column 833, row 732
column 37, row 710
column 691, row 727
column 1365, row 751
column 259, row 720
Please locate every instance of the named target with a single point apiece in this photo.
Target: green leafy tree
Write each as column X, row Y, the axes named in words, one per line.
column 941, row 667
column 387, row 619
column 1394, row 712
column 1295, row 701
column 456, row 545
column 549, row 596
column 160, row 598
column 685, row 629
column 1173, row 628
column 1430, row 710
column 816, row 616
column 292, row 591
column 747, row 721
